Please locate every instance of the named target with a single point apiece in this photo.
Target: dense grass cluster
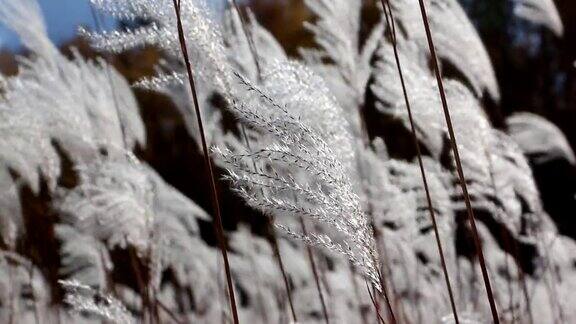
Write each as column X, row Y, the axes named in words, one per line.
column 380, row 189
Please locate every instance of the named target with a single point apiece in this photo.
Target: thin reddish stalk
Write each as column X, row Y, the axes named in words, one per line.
column 459, row 169
column 379, row 317
column 98, row 24
column 248, row 37
column 142, row 287
column 512, row 246
column 381, row 250
column 150, row 301
column 375, row 231
column 208, row 164
column 366, row 141
column 315, row 272
column 384, row 289
column 169, row 312
column 270, row 219
column 523, row 283
column 392, row 27
column 284, row 275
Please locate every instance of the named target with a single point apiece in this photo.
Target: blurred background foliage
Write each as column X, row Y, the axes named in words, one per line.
column 535, row 69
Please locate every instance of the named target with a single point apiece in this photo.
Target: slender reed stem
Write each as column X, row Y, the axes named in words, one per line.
column 384, row 289
column 142, row 287
column 152, row 302
column 315, row 272
column 98, row 24
column 392, row 28
column 379, row 317
column 284, row 274
column 270, row 219
column 169, row 312
column 461, row 177
column 512, row 246
column 274, row 238
column 381, row 250
column 375, row 231
column 251, row 43
column 208, row 164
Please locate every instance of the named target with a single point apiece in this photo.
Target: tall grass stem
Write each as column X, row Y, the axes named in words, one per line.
column 208, row 164
column 459, row 169
column 392, row 29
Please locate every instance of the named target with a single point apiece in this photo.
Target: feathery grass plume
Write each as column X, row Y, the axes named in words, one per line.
column 497, row 174
column 239, row 54
column 54, row 99
column 85, row 300
column 540, row 12
column 306, row 159
column 113, row 202
column 72, row 98
column 400, row 210
column 391, row 207
column 509, row 191
column 336, row 30
column 203, row 36
column 25, row 18
column 486, row 154
column 205, row 45
column 82, row 257
column 398, row 198
column 177, row 245
column 247, row 36
column 391, row 24
column 74, row 102
column 240, row 38
column 539, row 138
column 417, row 77
column 10, row 214
column 69, row 101
column 457, row 42
column 124, row 203
column 405, row 176
column 481, row 147
column 25, row 141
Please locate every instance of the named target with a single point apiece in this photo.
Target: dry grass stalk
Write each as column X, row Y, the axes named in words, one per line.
column 269, row 219
column 208, row 163
column 461, row 176
column 392, row 29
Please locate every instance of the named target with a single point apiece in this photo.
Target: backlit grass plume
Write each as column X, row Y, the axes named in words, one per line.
column 303, row 162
